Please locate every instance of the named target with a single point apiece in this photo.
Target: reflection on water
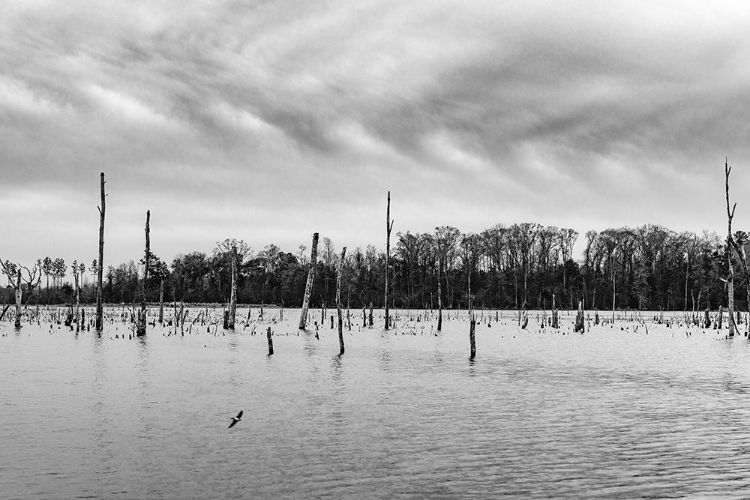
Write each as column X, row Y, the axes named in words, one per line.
column 608, row 414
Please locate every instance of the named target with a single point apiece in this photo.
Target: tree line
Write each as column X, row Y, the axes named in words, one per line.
column 644, row 268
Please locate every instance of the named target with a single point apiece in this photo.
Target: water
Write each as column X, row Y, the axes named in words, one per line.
column 608, row 414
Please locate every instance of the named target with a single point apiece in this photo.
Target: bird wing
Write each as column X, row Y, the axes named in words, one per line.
column 234, row 421
column 239, row 415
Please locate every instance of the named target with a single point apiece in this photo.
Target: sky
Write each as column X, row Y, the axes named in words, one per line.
column 269, row 120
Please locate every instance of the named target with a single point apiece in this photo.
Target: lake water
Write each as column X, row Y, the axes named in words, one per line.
column 612, row 413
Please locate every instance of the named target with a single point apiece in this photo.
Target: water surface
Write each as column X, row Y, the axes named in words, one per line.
column 538, row 414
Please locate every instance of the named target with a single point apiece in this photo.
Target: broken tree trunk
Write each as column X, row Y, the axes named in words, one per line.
column 440, row 297
column 730, row 245
column 310, row 280
column 100, row 264
column 78, row 297
column 141, row 325
column 579, row 326
column 161, row 301
column 338, row 302
column 233, row 295
column 472, row 340
column 388, row 228
column 269, row 335
column 17, row 322
column 555, row 323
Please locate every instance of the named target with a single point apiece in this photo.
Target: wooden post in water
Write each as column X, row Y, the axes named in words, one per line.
column 141, row 324
column 100, row 262
column 338, row 302
column 388, row 228
column 270, row 341
column 309, row 285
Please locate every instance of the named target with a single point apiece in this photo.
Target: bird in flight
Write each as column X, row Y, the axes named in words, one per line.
column 235, row 419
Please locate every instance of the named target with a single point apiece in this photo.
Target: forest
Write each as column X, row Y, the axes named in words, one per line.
column 503, row 267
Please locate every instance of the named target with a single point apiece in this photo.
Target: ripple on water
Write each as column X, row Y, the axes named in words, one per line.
column 538, row 414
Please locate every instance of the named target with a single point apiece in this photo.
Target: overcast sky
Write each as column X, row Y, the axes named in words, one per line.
column 269, row 120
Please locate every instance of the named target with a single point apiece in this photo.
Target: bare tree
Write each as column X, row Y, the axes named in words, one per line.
column 388, row 229
column 100, row 262
column 141, row 326
column 731, row 245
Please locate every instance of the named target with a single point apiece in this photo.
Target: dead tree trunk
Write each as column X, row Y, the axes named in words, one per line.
column 269, row 336
column 579, row 326
column 17, row 322
column 440, row 296
column 730, row 246
column 141, row 326
column 161, row 301
column 310, row 280
column 472, row 340
column 555, row 323
column 78, row 297
column 388, row 228
column 233, row 296
column 338, row 302
column 100, row 263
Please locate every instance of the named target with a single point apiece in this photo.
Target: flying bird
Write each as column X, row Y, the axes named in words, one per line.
column 236, row 419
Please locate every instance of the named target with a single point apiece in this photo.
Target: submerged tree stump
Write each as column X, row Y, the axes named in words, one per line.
column 270, row 341
column 707, row 319
column 472, row 339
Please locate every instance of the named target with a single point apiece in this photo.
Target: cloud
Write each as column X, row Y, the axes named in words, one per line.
column 267, row 120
